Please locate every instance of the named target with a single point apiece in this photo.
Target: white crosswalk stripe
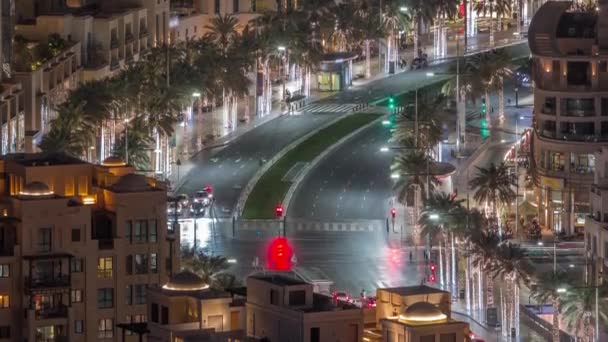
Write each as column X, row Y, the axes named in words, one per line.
column 328, row 108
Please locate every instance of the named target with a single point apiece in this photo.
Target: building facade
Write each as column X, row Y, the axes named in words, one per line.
column 80, row 245
column 570, row 73
column 596, row 225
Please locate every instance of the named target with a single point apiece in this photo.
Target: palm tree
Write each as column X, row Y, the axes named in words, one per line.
column 482, row 251
column 579, row 308
column 411, row 170
column 441, row 212
column 370, row 27
column 500, row 7
column 493, row 185
column 394, row 20
column 446, row 9
column 69, row 133
column 421, row 11
column 501, row 63
column 548, row 290
column 511, row 267
column 204, row 265
column 139, row 142
column 343, row 32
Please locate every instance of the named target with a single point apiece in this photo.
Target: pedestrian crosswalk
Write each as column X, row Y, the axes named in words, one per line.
column 328, row 108
column 361, row 226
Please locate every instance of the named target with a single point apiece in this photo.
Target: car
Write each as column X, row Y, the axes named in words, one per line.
column 184, row 200
column 203, row 197
column 174, row 208
column 197, row 209
column 357, row 301
column 341, row 296
column 370, row 301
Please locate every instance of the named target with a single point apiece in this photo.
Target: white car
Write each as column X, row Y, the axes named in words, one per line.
column 203, row 197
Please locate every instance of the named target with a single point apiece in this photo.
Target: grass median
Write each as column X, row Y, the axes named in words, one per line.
column 271, row 189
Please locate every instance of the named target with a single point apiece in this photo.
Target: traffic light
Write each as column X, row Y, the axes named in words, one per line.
column 391, row 102
column 280, row 254
column 484, row 131
column 278, row 211
column 393, row 212
column 433, row 276
column 433, row 268
column 483, row 106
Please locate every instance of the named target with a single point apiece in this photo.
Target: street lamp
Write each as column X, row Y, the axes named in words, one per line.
column 403, row 9
column 126, row 140
column 434, row 217
column 561, row 290
column 430, row 74
column 516, row 97
column 395, row 176
column 383, row 149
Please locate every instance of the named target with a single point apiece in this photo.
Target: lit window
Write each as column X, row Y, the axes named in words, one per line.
column 105, row 328
column 153, row 263
column 76, row 296
column 4, row 301
column 76, row 265
column 78, row 326
column 104, row 267
column 5, row 270
column 141, row 263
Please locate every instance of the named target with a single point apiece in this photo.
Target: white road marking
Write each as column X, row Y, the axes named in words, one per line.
column 238, row 160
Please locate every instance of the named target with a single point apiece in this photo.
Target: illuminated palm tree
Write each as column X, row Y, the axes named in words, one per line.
column 493, row 185
column 499, row 7
column 445, row 9
column 370, row 27
column 420, row 11
column 548, row 289
column 394, row 20
column 579, row 308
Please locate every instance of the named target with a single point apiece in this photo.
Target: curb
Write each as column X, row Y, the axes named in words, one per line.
column 240, row 205
column 312, row 164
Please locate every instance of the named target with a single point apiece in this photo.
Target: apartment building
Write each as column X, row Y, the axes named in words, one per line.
column 80, row 245
column 570, row 72
column 596, row 225
column 44, row 89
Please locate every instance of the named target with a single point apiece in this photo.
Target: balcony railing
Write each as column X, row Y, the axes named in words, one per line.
column 105, row 243
column 60, row 311
column 47, row 281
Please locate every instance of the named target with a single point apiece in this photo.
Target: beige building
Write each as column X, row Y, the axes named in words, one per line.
column 112, row 33
column 43, row 90
column 596, row 225
column 188, row 309
column 423, row 322
column 570, row 73
column 390, row 302
column 80, row 245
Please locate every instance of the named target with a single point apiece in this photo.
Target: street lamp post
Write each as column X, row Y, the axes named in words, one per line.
column 127, row 141
column 516, row 97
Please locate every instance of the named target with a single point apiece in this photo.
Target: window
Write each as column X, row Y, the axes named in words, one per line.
column 76, row 295
column 164, row 315
column 5, row 270
column 76, row 265
column 140, row 294
column 105, row 328
column 129, row 264
column 141, row 263
column 253, row 5
column 78, row 326
column 274, row 297
column 235, row 6
column 603, row 66
column 128, row 231
column 5, row 331
column 216, row 7
column 104, row 267
column 297, row 298
column 75, row 234
column 140, row 231
column 447, row 337
column 129, row 294
column 4, row 301
column 44, row 239
column 556, row 161
column 152, row 233
column 153, row 263
column 105, row 298
column 154, row 312
column 315, row 334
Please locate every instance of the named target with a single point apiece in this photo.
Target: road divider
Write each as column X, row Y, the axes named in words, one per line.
column 270, row 189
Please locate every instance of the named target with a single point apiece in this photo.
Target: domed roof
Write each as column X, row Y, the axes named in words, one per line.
column 422, row 312
column 113, row 161
column 36, row 189
column 131, row 182
column 185, row 281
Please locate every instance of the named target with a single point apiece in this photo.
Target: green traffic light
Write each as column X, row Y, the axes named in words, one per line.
column 484, row 132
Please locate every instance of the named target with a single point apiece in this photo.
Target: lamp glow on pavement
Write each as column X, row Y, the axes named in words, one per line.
column 434, row 216
column 386, row 122
column 383, row 149
column 540, row 243
column 561, row 290
column 394, row 176
column 430, row 74
column 571, row 265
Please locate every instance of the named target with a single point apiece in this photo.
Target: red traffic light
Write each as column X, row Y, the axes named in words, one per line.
column 432, row 278
column 208, row 188
column 278, row 211
column 393, row 212
column 279, row 254
column 433, row 267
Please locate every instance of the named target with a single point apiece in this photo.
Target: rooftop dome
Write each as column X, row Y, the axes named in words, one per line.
column 185, row 281
column 422, row 312
column 131, row 182
column 113, row 161
column 36, row 189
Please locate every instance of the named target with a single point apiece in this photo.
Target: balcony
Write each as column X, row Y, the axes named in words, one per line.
column 60, row 311
column 548, row 110
column 114, row 43
column 143, row 32
column 45, row 282
column 128, row 37
column 129, row 58
column 105, row 244
column 114, row 64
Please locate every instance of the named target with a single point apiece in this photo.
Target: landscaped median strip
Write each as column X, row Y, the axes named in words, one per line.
column 271, row 189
